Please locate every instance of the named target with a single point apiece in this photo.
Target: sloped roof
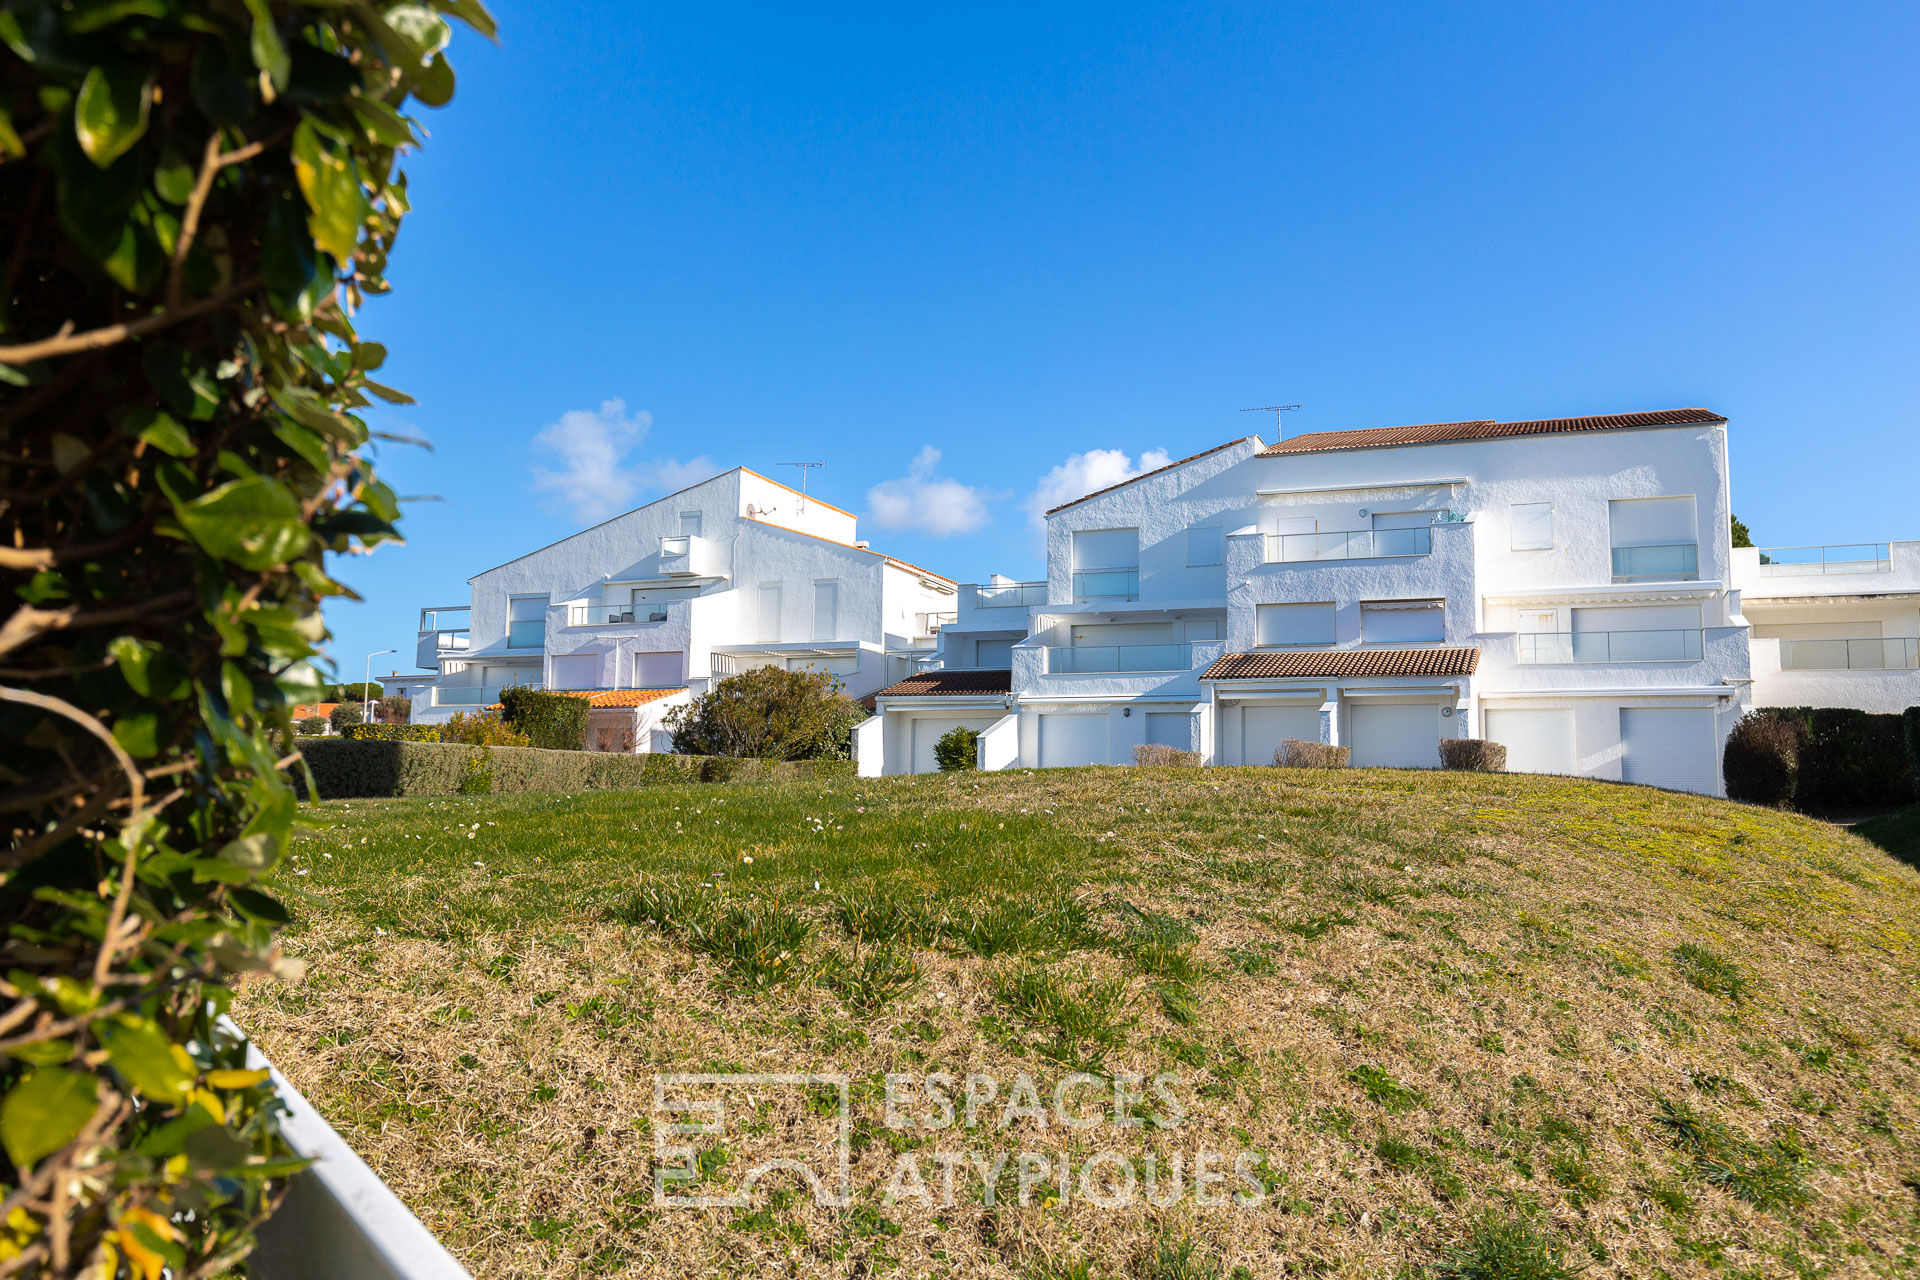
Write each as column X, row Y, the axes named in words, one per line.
column 1192, row 457
column 630, row 697
column 1328, row 664
column 943, row 684
column 1484, row 429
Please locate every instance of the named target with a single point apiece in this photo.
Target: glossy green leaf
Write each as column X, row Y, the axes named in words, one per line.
column 146, row 1058
column 255, row 852
column 135, row 660
column 173, row 178
column 10, row 145
column 236, row 688
column 258, row 906
column 471, row 12
column 255, row 523
column 43, row 1053
column 434, row 84
column 425, row 31
column 331, row 185
column 111, row 112
column 269, row 52
column 383, row 124
column 139, row 735
column 162, row 431
column 44, row 1112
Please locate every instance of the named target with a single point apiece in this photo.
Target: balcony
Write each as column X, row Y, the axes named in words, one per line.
column 528, row 634
column 1106, row 584
column 1092, row 659
column 467, row 695
column 1673, row 562
column 930, row 623
column 1795, row 562
column 1562, row 648
column 1007, row 595
column 439, row 636
column 1900, row 653
column 580, row 614
column 1362, row 544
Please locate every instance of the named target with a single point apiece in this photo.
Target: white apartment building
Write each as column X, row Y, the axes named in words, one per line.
column 735, row 572
column 1567, row 587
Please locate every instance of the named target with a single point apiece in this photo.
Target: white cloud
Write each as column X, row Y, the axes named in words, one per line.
column 1083, row 473
column 938, row 506
column 590, row 446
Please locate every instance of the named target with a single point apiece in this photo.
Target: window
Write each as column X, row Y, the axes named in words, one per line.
column 1296, row 624
column 577, row 671
column 690, row 524
column 1203, row 545
column 1530, row 525
column 526, row 622
column 1106, row 549
column 1654, row 539
column 768, row 612
column 1403, row 622
column 826, row 610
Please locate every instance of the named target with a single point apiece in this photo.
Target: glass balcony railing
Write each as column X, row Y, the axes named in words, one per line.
column 1792, row 562
column 1008, row 595
column 1556, row 648
column 1676, row 562
column 1106, row 584
column 467, row 695
column 613, row 615
column 1900, row 653
column 1361, row 544
column 531, row 634
column 1088, row 659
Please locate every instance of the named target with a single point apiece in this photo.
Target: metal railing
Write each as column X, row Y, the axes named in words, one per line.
column 1106, row 584
column 613, row 615
column 531, row 634
column 1859, row 557
column 1675, row 562
column 1086, row 659
column 1898, row 653
column 1361, row 544
column 1007, row 595
column 1562, row 647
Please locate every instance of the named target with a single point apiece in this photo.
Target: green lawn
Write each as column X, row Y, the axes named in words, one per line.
column 1897, row 833
column 1473, row 1025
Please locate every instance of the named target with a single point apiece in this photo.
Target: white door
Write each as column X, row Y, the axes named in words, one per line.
column 1537, row 741
column 928, row 731
column 1672, row 747
column 1067, row 740
column 1395, row 735
column 657, row 671
column 993, row 653
column 1263, row 729
column 1170, row 729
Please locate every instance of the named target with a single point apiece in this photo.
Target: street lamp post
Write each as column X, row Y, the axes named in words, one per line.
column 366, row 687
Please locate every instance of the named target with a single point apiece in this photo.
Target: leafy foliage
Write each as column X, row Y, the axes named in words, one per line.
column 555, row 721
column 393, row 733
column 198, row 196
column 1761, row 762
column 476, row 729
column 1842, row 759
column 768, row 714
column 346, row 769
column 310, row 725
column 958, row 749
column 1149, row 754
column 1738, row 528
column 345, row 715
column 1474, row 755
column 1297, row 753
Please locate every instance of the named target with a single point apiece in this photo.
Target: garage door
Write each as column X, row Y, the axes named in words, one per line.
column 1070, row 740
column 1673, row 747
column 1536, row 741
column 930, row 730
column 1170, row 729
column 657, row 671
column 1395, row 735
column 1263, row 729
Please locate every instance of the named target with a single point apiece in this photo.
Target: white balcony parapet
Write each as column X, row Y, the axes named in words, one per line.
column 1859, row 557
column 1089, row 659
column 1006, row 595
column 1896, row 653
column 1106, row 584
column 1361, row 544
column 1557, row 648
column 582, row 613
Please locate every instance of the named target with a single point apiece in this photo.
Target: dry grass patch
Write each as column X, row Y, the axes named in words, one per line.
column 1472, row 1025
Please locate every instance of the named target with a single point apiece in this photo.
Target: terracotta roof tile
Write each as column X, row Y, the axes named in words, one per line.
column 941, row 684
column 1338, row 663
column 630, row 697
column 1192, row 457
column 1484, row 429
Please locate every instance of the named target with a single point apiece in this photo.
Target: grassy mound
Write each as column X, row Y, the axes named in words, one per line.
column 1456, row 1025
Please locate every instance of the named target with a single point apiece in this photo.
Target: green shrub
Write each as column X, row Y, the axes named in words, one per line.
column 1150, row 754
column 1761, row 762
column 311, row 726
column 768, row 714
column 391, row 733
column 1296, row 753
column 199, row 198
column 554, row 721
column 479, row 729
column 347, row 769
column 1473, row 755
column 344, row 714
column 957, row 750
column 394, row 709
column 1910, row 739
column 1848, row 759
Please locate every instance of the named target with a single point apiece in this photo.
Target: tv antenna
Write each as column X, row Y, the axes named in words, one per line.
column 804, row 466
column 1276, row 410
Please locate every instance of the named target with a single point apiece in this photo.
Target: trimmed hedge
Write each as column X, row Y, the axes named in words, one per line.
column 1298, row 753
column 1148, row 754
column 1762, row 760
column 1846, row 759
column 1474, row 755
column 957, row 750
column 391, row 733
column 557, row 721
column 372, row 767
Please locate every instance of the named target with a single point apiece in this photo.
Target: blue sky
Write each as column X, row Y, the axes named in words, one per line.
column 1051, row 243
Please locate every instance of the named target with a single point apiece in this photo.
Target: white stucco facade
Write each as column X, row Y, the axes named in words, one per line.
column 1567, row 586
column 734, row 572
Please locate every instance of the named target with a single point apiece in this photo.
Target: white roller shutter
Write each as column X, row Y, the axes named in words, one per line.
column 1537, row 741
column 1395, row 735
column 1263, row 729
column 1672, row 747
column 577, row 671
column 928, row 731
column 657, row 670
column 1067, row 740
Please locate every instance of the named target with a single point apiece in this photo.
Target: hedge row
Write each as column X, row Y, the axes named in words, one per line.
column 391, row 733
column 1824, row 759
column 347, row 769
